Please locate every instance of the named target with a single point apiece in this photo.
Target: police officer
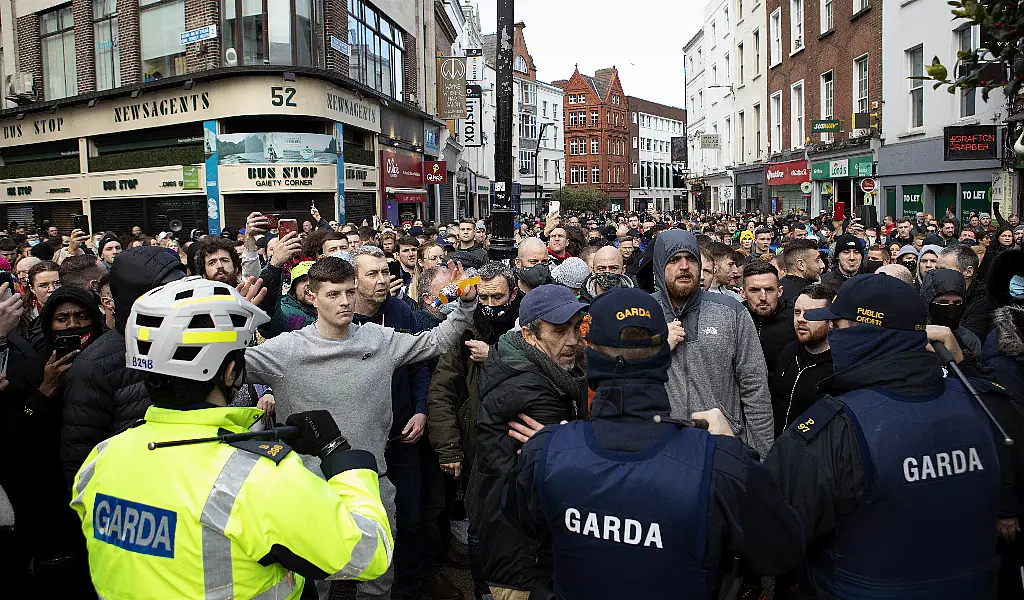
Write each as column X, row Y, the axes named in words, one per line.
column 894, row 471
column 637, row 508
column 213, row 520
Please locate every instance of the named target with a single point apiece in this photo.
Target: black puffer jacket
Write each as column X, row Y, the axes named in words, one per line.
column 104, row 396
column 517, row 378
column 774, row 332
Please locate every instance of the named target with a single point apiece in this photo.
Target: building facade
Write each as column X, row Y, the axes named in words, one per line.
column 128, row 111
column 596, row 134
column 476, row 132
column 914, row 175
column 824, row 64
column 532, row 99
column 655, row 180
column 696, row 115
column 750, row 119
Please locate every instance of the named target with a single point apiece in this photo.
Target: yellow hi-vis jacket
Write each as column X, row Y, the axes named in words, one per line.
column 213, row 520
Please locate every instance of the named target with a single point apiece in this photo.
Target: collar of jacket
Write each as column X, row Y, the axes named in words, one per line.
column 514, row 351
column 241, row 418
column 381, row 316
column 906, row 373
column 630, row 399
column 297, row 306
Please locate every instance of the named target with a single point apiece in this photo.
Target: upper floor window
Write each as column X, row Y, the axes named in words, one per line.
column 160, row 22
column 796, row 24
column 378, row 48
column 108, row 58
column 529, row 93
column 519, row 64
column 57, row 30
column 275, row 32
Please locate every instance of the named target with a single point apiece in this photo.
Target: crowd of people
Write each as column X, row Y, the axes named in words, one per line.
column 787, row 337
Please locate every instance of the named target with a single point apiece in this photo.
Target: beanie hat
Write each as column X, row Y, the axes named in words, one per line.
column 908, row 249
column 571, row 273
column 106, row 239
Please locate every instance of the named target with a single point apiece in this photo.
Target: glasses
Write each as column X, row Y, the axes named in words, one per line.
column 48, row 285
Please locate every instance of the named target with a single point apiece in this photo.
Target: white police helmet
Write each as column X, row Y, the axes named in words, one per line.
column 187, row 327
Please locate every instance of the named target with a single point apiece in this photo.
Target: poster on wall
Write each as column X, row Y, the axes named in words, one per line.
column 213, row 221
column 263, row 148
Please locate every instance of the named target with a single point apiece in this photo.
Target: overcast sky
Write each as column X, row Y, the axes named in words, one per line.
column 643, row 38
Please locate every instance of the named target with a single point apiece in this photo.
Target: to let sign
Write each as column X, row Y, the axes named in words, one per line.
column 435, row 172
column 971, row 142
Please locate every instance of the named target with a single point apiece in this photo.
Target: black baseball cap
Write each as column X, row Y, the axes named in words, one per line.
column 618, row 308
column 877, row 300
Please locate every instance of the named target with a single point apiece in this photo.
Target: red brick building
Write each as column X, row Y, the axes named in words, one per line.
column 597, row 133
column 824, row 63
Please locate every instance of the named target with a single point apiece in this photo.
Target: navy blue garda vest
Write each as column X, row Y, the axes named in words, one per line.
column 926, row 529
column 624, row 524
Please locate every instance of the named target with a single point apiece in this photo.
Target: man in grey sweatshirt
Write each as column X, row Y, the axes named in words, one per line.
column 720, row 363
column 346, row 368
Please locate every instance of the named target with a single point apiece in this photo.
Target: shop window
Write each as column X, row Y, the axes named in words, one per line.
column 378, row 48
column 108, row 56
column 57, row 30
column 160, row 23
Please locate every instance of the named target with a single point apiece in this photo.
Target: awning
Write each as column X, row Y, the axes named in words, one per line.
column 407, row 194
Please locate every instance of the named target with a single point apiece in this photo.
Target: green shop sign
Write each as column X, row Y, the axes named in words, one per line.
column 825, row 126
column 190, row 177
column 975, row 197
column 858, row 167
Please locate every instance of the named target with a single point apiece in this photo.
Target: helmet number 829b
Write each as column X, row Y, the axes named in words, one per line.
column 142, row 363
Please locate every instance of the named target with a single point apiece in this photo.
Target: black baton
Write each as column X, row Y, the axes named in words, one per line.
column 946, row 357
column 277, row 433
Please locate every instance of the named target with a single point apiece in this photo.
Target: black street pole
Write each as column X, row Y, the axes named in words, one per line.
column 502, row 215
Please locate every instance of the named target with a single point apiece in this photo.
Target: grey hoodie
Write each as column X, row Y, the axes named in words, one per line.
column 720, row 363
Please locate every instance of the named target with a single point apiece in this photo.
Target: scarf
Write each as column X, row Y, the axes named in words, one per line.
column 573, row 383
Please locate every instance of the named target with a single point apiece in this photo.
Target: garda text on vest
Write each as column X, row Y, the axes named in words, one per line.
column 941, row 464
column 613, row 529
column 134, row 526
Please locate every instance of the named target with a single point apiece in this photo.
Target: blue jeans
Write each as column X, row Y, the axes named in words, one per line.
column 419, row 500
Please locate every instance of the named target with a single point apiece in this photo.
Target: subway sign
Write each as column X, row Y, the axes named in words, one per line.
column 825, row 126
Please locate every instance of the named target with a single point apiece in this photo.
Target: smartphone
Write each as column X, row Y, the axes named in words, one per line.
column 839, row 211
column 82, row 222
column 555, row 206
column 274, row 219
column 5, row 277
column 396, row 269
column 287, row 225
column 66, row 344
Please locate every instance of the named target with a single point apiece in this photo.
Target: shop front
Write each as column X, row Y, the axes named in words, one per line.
column 483, row 196
column 787, row 186
column 927, row 176
column 839, row 181
column 38, row 199
column 750, row 188
column 402, row 181
column 198, row 149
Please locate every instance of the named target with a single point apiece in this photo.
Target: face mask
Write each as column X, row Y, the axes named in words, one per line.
column 535, row 276
column 911, row 265
column 33, row 242
column 947, row 315
column 607, row 281
column 871, row 265
column 494, row 312
column 1017, row 287
column 85, row 333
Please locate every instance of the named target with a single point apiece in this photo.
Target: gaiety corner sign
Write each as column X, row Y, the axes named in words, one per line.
column 231, row 97
column 793, row 172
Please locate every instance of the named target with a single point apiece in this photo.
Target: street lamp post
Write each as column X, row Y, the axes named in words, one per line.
column 502, row 243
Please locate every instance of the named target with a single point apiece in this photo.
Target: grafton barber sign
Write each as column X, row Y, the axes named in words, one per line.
column 793, row 172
